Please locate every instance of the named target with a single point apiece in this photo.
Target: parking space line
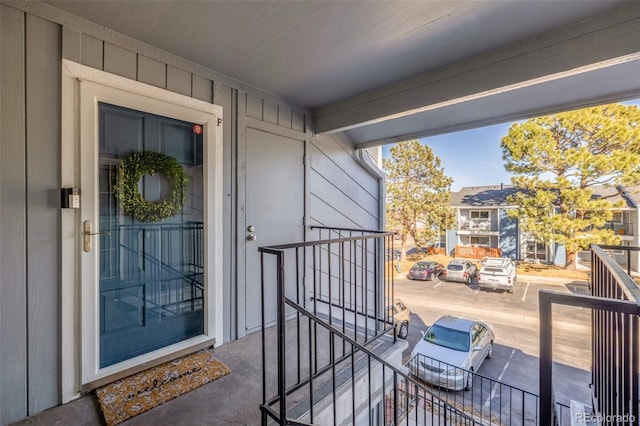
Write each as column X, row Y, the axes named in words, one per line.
column 437, row 285
column 499, row 380
column 525, row 290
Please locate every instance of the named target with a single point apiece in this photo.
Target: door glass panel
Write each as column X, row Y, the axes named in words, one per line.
column 151, row 273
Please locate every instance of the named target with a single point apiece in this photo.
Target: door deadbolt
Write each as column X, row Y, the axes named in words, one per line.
column 251, row 228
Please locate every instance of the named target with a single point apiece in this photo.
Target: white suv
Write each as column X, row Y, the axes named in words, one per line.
column 497, row 273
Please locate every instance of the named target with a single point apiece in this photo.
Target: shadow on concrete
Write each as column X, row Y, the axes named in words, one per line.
column 416, row 326
column 580, row 288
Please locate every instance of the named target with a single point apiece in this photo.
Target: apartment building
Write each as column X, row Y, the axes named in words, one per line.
column 483, row 224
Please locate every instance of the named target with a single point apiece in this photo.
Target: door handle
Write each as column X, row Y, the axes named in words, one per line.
column 87, row 235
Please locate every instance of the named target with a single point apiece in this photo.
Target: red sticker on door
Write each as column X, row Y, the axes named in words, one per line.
column 197, row 129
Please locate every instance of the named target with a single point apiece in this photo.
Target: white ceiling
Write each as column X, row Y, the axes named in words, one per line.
column 319, row 54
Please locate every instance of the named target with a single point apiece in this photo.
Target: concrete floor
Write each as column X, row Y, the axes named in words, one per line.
column 231, row 400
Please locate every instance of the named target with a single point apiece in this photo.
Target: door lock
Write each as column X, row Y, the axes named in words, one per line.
column 251, row 229
column 87, row 235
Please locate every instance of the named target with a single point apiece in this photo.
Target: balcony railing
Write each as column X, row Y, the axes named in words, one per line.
column 335, row 341
column 337, row 360
column 488, row 401
column 620, row 228
column 615, row 357
column 478, row 225
column 469, row 252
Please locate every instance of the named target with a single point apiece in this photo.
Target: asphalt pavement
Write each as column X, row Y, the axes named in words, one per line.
column 515, row 321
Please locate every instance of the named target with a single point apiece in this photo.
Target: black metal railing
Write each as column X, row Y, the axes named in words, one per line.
column 623, row 256
column 617, row 228
column 620, row 228
column 334, row 363
column 615, row 357
column 487, row 400
column 168, row 258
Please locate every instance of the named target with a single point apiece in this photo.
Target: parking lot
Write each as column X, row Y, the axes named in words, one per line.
column 515, row 321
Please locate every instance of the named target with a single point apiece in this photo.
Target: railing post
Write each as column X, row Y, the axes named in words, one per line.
column 280, row 294
column 263, row 334
column 546, row 360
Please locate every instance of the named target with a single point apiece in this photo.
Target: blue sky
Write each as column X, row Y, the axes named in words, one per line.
column 473, row 157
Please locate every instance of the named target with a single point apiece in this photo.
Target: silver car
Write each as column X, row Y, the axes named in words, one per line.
column 460, row 270
column 451, row 350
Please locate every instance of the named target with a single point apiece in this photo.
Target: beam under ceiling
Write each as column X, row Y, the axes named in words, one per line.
column 609, row 41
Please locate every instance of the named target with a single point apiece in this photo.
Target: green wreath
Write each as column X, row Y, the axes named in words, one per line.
column 130, row 171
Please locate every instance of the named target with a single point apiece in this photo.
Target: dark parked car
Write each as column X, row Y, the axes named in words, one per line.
column 417, row 250
column 460, row 270
column 425, row 270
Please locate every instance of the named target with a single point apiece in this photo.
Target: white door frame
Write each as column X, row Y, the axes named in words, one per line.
column 82, row 88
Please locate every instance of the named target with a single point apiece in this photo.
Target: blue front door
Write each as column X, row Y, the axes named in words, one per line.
column 151, row 271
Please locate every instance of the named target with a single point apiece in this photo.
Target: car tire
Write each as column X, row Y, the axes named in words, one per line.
column 490, row 351
column 403, row 330
column 510, row 290
column 469, row 384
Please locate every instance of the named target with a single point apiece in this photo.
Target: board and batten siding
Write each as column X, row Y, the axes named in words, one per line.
column 108, row 57
column 269, row 111
column 29, row 214
column 34, row 38
column 13, row 219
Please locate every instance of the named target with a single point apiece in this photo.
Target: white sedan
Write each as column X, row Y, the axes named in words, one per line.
column 450, row 350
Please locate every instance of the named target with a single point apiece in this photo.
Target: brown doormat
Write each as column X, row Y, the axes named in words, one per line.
column 143, row 391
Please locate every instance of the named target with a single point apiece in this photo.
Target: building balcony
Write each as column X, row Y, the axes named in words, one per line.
column 477, row 227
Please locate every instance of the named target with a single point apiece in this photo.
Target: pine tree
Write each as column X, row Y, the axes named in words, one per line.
column 418, row 194
column 558, row 159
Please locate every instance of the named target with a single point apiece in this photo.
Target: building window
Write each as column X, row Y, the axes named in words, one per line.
column 535, row 250
column 479, row 214
column 481, row 241
column 617, row 217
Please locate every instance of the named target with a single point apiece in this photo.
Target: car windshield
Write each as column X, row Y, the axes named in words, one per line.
column 494, row 270
column 455, row 267
column 447, row 337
